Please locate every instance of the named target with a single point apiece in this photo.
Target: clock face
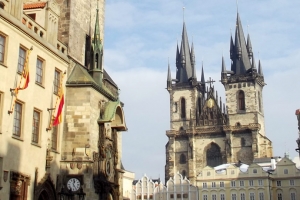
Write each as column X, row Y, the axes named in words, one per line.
column 73, row 184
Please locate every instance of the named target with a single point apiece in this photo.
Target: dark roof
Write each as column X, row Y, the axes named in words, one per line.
column 108, row 78
column 34, row 5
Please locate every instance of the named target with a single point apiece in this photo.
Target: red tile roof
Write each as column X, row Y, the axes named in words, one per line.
column 34, row 5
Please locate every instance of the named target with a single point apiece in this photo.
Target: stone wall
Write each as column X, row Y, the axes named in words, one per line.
column 76, row 21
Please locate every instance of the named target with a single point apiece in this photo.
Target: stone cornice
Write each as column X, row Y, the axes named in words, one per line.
column 213, row 130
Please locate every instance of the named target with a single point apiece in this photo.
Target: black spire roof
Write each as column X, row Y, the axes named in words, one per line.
column 239, row 50
column 184, row 59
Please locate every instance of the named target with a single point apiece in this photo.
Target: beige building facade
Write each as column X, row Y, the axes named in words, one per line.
column 40, row 160
column 276, row 180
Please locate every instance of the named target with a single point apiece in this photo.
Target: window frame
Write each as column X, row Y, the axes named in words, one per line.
column 41, row 82
column 222, row 184
column 233, row 197
column 260, row 182
column 3, row 61
column 261, row 196
column 241, row 100
column 251, row 196
column 292, row 182
column 19, row 118
column 183, row 108
column 243, row 196
column 242, row 184
column 36, row 131
column 56, row 81
column 251, row 183
column 204, row 185
column 20, row 67
column 232, row 183
column 278, row 183
column 285, row 171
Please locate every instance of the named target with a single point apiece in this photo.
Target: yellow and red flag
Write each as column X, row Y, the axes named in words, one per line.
column 58, row 117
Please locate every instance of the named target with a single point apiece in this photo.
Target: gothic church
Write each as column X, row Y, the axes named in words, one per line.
column 203, row 130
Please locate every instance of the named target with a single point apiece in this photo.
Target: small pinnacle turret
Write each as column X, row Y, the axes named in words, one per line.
column 260, row 71
column 97, row 53
column 169, row 80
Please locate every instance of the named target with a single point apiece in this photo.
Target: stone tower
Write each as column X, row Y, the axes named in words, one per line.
column 203, row 131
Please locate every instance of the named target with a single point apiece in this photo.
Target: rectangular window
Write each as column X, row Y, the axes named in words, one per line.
column 17, row 119
column 221, row 184
column 243, row 196
column 2, row 48
column 260, row 182
column 204, row 185
column 214, row 197
column 213, row 184
column 56, row 81
column 233, row 196
column 232, row 183
column 293, row 196
column 278, row 183
column 285, row 171
column 36, row 126
column 242, row 183
column 222, row 196
column 279, row 196
column 39, row 71
column 54, row 138
column 292, row 182
column 250, row 182
column 22, row 58
column 261, row 196
column 252, row 197
column 204, row 197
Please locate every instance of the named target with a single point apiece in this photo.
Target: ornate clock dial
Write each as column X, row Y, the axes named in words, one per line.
column 73, row 184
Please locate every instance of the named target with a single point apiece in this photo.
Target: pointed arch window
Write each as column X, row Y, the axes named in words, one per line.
column 183, row 173
column 183, row 113
column 259, row 102
column 241, row 100
column 182, row 159
column 213, row 155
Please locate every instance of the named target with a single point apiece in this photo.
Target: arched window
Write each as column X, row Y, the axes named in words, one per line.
column 213, row 155
column 183, row 114
column 183, row 173
column 259, row 102
column 182, row 159
column 241, row 100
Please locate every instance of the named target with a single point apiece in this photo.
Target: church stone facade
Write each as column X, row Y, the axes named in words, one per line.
column 204, row 131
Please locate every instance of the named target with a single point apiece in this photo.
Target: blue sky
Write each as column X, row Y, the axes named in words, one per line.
column 140, row 37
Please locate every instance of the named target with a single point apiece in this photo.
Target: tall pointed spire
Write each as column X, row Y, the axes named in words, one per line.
column 260, row 71
column 169, row 80
column 193, row 62
column 97, row 53
column 240, row 58
column 253, row 63
column 203, row 79
column 223, row 65
column 249, row 46
column 186, row 69
column 178, row 64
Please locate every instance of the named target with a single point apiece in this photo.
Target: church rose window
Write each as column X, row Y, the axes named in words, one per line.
column 213, row 155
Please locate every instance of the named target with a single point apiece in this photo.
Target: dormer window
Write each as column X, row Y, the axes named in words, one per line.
column 32, row 16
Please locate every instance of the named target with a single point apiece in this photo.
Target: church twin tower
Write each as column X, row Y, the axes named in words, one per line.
column 203, row 130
